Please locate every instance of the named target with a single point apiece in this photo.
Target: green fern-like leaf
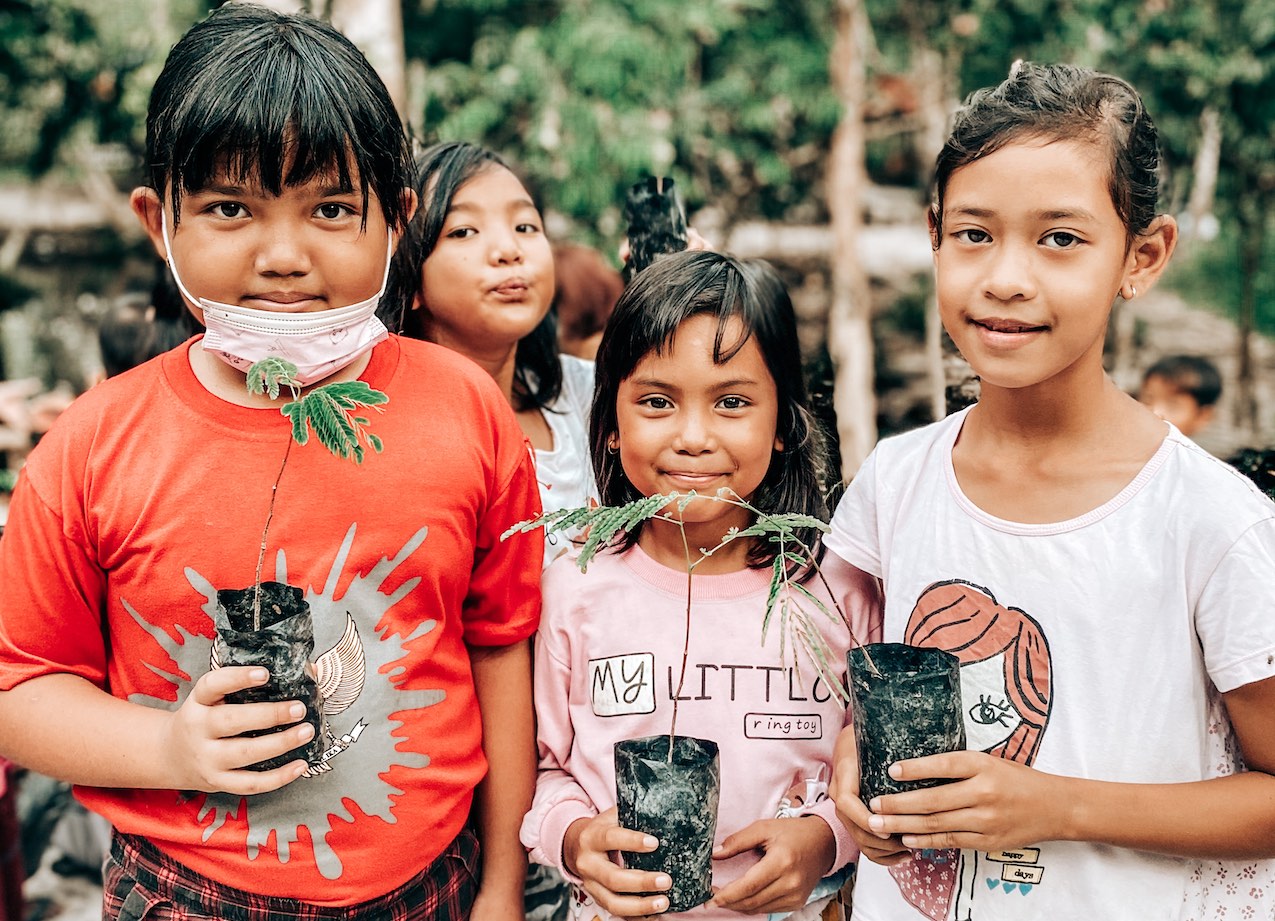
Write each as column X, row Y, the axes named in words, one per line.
column 296, row 412
column 785, row 595
column 601, row 525
column 776, row 583
column 269, row 374
column 330, row 411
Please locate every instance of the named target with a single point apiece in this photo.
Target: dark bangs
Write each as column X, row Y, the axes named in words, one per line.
column 646, row 318
column 274, row 100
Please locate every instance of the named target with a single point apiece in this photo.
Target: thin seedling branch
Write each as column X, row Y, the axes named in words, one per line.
column 330, row 411
column 602, row 526
column 261, row 553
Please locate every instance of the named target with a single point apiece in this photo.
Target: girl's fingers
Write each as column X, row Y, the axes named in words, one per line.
column 744, row 893
column 248, row 783
column 758, row 896
column 885, row 858
column 940, row 841
column 615, row 838
column 240, row 752
column 745, row 839
column 236, row 719
column 623, row 881
column 627, row 906
column 949, row 765
column 214, row 685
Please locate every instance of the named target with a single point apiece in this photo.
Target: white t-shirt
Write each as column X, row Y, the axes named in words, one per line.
column 565, row 473
column 1090, row 648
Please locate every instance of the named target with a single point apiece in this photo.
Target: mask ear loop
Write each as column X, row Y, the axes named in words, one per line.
column 172, row 263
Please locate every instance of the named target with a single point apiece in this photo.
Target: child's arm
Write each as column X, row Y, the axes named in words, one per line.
column 997, row 804
column 563, row 828
column 66, row 727
column 502, row 682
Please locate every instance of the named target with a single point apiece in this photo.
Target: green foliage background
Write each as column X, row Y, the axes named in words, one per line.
column 731, row 97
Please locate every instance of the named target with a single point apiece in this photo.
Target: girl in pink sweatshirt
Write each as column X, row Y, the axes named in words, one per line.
column 699, row 387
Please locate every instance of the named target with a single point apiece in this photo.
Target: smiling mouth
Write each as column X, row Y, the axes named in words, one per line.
column 1008, row 326
column 692, row 477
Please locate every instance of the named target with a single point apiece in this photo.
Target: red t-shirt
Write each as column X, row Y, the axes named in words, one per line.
column 150, row 494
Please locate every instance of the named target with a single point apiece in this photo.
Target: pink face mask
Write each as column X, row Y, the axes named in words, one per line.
column 319, row 343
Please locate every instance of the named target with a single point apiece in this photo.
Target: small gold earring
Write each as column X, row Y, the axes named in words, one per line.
column 1133, row 292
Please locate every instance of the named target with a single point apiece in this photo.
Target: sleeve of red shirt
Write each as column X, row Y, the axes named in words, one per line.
column 53, row 589
column 503, row 604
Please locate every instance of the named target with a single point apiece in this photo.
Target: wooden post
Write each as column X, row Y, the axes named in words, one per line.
column 850, row 315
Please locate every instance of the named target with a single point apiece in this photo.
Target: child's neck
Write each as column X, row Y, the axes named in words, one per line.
column 231, row 384
column 1039, row 458
column 662, row 542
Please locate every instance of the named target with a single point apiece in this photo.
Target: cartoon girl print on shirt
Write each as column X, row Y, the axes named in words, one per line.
column 1007, row 694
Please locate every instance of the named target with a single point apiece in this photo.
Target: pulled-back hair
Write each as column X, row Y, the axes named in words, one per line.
column 647, row 317
column 441, row 171
column 1053, row 102
column 277, row 99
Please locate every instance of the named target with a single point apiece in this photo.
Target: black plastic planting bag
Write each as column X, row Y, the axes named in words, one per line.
column 657, row 223
column 910, row 707
column 677, row 803
column 284, row 645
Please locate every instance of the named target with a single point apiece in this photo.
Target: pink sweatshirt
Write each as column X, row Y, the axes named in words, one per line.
column 608, row 656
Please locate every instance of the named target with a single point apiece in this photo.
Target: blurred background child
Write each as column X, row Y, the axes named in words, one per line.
column 1184, row 390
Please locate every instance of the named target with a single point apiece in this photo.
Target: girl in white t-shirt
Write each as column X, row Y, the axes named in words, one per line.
column 475, row 272
column 699, row 388
column 1103, row 581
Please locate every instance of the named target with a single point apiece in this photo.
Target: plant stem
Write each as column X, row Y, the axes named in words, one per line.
column 261, row 553
column 744, row 503
column 846, row 620
column 686, row 637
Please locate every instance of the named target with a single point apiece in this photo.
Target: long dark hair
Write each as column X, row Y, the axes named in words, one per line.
column 278, row 99
column 441, row 170
column 1057, row 102
column 646, row 318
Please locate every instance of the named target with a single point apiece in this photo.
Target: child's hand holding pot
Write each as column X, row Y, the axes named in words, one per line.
column 884, row 849
column 586, row 853
column 205, row 748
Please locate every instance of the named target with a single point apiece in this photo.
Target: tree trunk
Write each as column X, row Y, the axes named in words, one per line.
column 1253, row 220
column 932, row 97
column 375, row 26
column 849, row 319
column 1201, row 224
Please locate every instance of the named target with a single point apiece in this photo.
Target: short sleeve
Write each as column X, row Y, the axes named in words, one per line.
column 1233, row 615
column 51, row 607
column 577, row 384
column 855, row 536
column 503, row 603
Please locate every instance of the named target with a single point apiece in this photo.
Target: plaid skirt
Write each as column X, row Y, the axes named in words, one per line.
column 142, row 884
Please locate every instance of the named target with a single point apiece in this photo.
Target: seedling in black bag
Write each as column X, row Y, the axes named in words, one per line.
column 269, row 624
column 657, row 223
